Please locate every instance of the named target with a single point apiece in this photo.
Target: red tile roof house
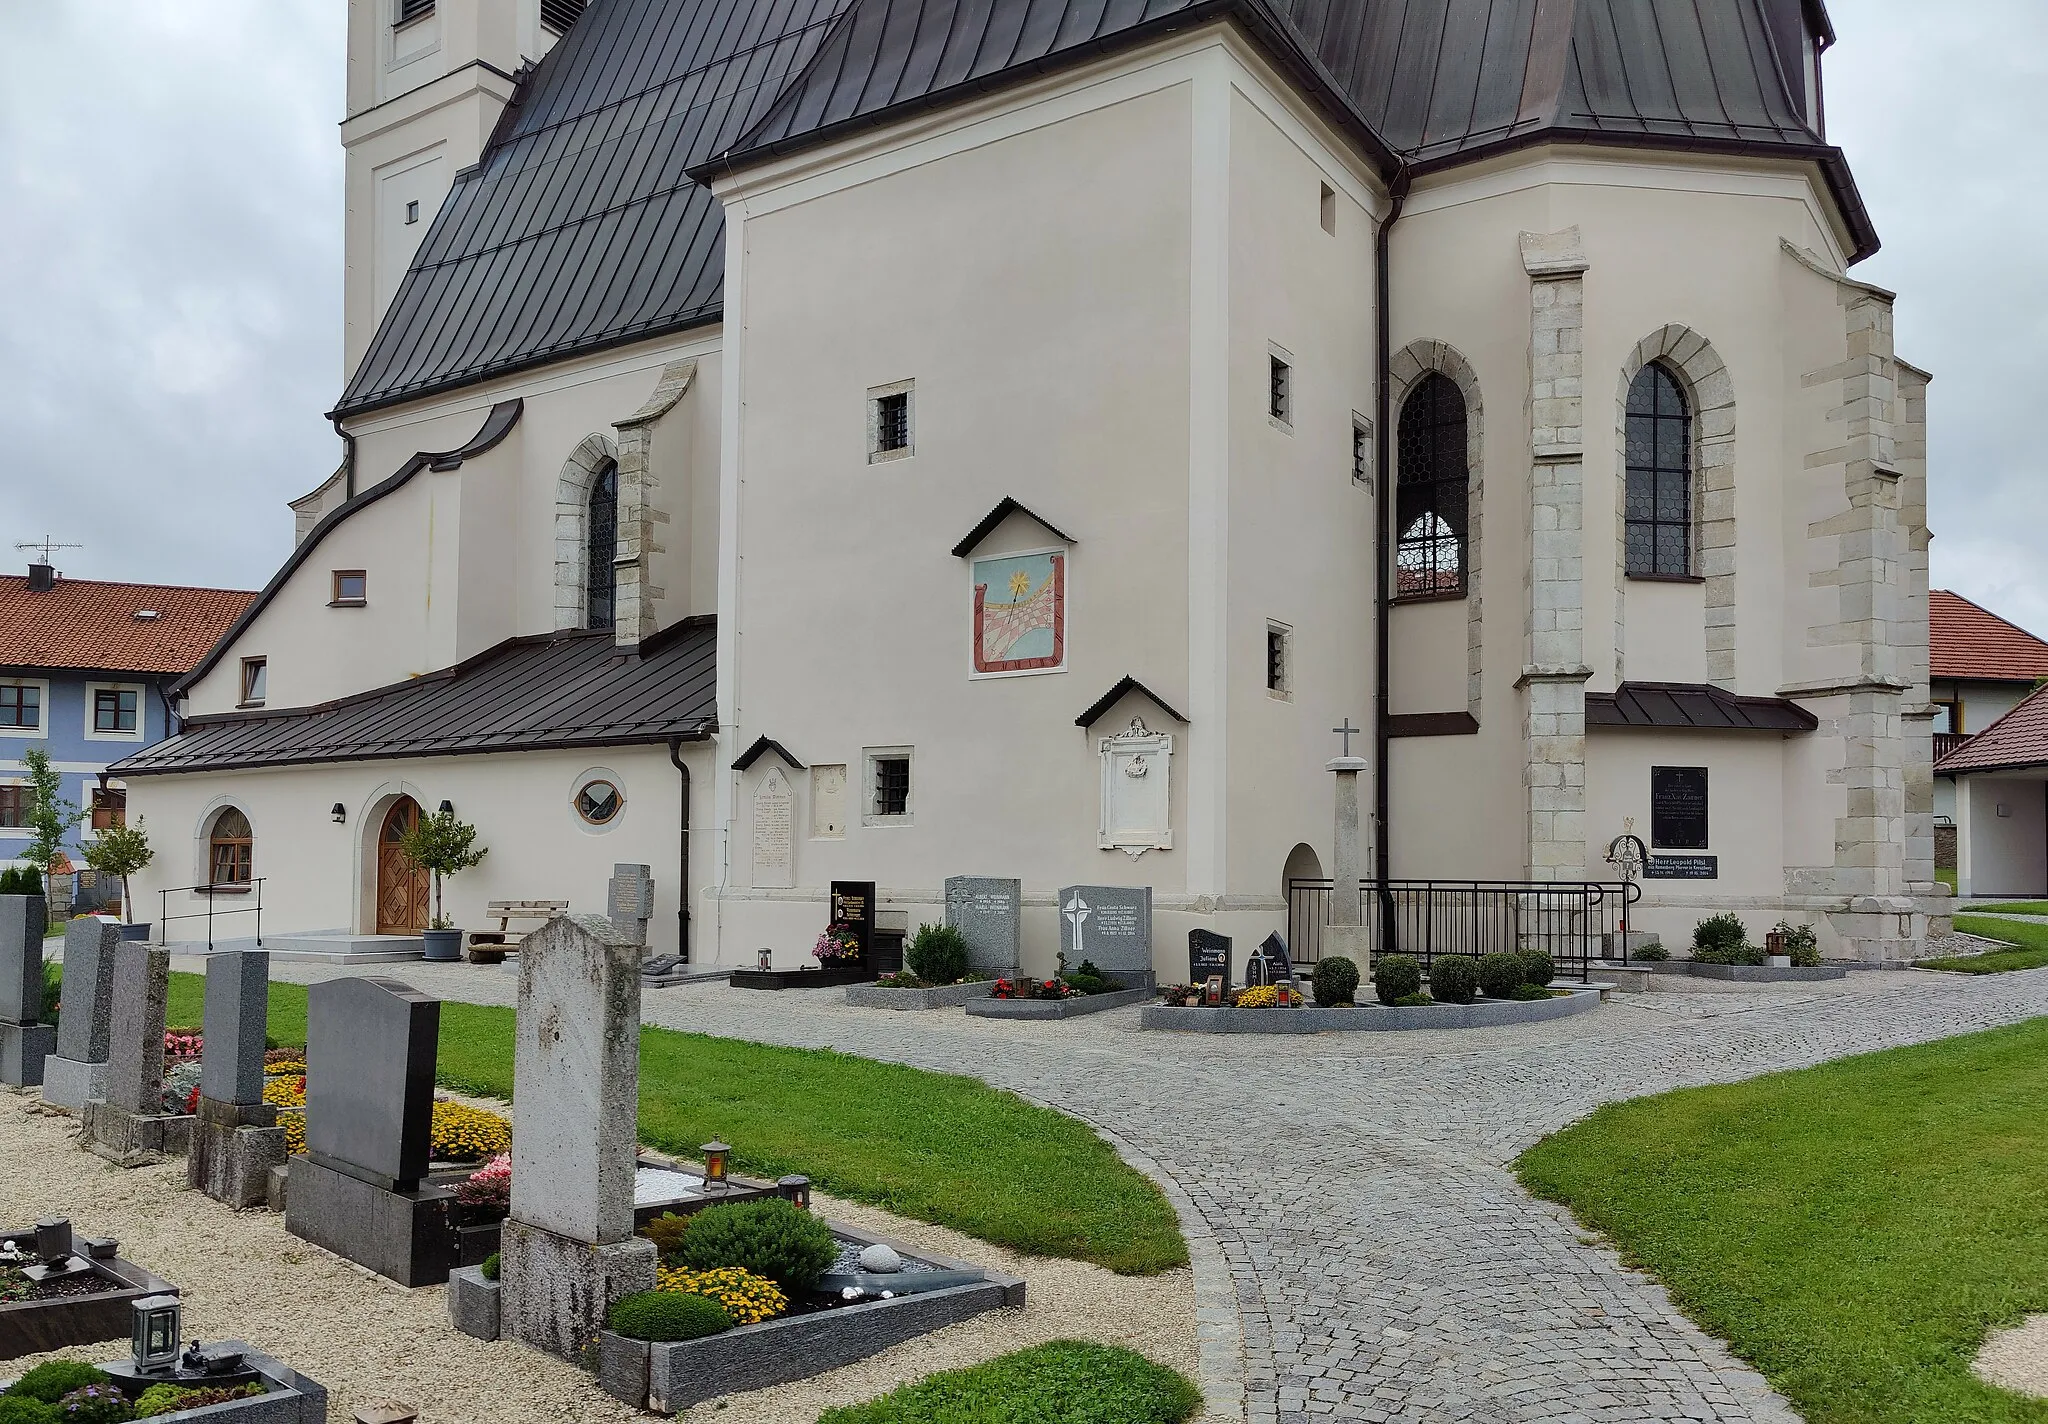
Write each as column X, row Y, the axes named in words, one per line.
column 83, row 670
column 1990, row 747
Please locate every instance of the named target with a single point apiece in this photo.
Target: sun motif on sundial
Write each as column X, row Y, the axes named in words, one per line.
column 1020, row 584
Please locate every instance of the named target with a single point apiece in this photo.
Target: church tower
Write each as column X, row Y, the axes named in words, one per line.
column 427, row 80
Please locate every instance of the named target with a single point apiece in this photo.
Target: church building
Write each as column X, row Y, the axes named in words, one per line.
column 791, row 441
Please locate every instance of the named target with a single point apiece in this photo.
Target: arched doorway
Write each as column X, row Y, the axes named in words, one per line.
column 402, row 887
column 1308, row 903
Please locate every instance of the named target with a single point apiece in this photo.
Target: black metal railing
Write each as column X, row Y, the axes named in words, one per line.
column 253, row 888
column 1568, row 920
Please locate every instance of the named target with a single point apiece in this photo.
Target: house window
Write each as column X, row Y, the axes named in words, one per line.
column 1948, row 718
column 558, row 15
column 1329, row 213
column 21, row 706
column 230, row 849
column 888, row 785
column 410, row 10
column 115, row 709
column 600, row 548
column 889, row 422
column 109, row 807
column 599, row 802
column 1279, row 393
column 16, row 801
column 1659, row 519
column 1432, row 492
column 1361, row 450
column 1279, row 660
column 255, row 677
column 351, row 588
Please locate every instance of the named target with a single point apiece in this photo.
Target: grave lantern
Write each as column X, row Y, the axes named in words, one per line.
column 714, row 1165
column 1283, row 995
column 796, row 1191
column 158, row 1319
column 766, row 958
column 1774, row 944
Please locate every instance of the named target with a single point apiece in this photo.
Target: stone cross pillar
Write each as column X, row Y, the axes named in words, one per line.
column 131, row 1127
column 1554, row 680
column 1342, row 933
column 568, row 1249
column 236, row 1140
column 24, row 1041
column 77, row 1072
column 635, row 594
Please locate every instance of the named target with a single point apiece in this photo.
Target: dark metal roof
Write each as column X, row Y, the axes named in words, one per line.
column 1098, row 708
column 1694, row 706
column 585, row 225
column 1003, row 510
column 762, row 747
column 526, row 694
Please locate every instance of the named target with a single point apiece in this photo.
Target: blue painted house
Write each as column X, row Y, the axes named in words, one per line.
column 83, row 669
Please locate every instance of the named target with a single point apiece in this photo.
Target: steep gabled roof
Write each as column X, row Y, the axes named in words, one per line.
column 585, row 224
column 87, row 625
column 1970, row 642
column 2019, row 738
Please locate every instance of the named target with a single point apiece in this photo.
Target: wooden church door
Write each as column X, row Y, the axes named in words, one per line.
column 402, row 887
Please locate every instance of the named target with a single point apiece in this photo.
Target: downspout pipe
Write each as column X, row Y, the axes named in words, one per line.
column 348, row 459
column 1383, row 445
column 675, row 756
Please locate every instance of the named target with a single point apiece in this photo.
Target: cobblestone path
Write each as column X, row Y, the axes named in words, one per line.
column 1361, row 1250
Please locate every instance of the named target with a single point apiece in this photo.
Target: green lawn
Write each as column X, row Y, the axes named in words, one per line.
column 2016, row 907
column 1853, row 1230
column 933, row 1146
column 1062, row 1382
column 2029, row 951
column 1946, row 877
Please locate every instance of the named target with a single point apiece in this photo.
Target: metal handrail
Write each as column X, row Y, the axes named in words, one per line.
column 164, row 916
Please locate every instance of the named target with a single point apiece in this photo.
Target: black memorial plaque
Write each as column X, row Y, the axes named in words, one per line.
column 1678, row 808
column 1682, row 867
column 853, row 905
column 1208, row 953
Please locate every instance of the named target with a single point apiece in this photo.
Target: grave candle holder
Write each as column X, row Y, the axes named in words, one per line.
column 796, row 1191
column 714, row 1165
column 1212, row 992
column 766, row 960
column 158, row 1320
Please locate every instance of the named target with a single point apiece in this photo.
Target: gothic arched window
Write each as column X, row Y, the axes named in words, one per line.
column 1659, row 540
column 1432, row 494
column 600, row 543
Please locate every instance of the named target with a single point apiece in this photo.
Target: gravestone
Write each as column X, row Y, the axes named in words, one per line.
column 568, row 1249
column 853, row 905
column 236, row 1140
column 131, row 1127
column 630, row 900
column 77, row 1072
column 989, row 915
column 359, row 1188
column 24, row 1040
column 1208, row 953
column 1110, row 925
column 774, row 832
column 1269, row 963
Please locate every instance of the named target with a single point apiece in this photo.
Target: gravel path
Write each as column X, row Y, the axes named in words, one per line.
column 2017, row 1359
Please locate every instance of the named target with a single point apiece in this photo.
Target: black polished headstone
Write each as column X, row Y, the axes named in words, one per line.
column 1208, row 953
column 1270, row 962
column 370, row 1047
column 853, row 905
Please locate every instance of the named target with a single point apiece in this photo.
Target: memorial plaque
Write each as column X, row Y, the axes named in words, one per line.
column 853, row 905
column 988, row 914
column 1682, row 867
column 1208, row 954
column 1112, row 926
column 1678, row 808
column 774, row 832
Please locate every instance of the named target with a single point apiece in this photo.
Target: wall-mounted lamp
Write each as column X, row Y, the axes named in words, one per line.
column 339, row 814
column 447, row 808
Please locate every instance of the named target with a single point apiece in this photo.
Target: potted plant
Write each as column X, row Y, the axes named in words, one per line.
column 442, row 846
column 838, row 947
column 121, row 851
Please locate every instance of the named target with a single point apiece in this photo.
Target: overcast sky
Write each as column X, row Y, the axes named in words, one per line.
column 170, row 272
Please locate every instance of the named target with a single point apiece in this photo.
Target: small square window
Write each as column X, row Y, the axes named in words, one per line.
column 351, row 588
column 1279, row 392
column 1361, row 450
column 410, row 10
column 1279, row 660
column 21, row 706
column 889, row 423
column 1329, row 210
column 412, row 211
column 114, row 709
column 888, row 786
column 255, row 674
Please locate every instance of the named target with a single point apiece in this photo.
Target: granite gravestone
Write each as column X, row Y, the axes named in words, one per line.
column 989, row 914
column 131, row 1126
column 853, row 905
column 568, row 1249
column 1269, row 963
column 236, row 1140
column 1110, row 926
column 77, row 1072
column 630, row 900
column 1208, row 953
column 25, row 1041
column 358, row 1188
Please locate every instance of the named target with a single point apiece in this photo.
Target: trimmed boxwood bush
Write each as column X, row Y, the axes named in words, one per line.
column 1500, row 975
column 937, row 954
column 1453, row 979
column 771, row 1238
column 1538, row 968
column 667, row 1315
column 53, row 1379
column 1336, row 980
column 1719, row 934
column 1651, row 954
column 1396, row 977
column 20, row 1409
column 490, row 1267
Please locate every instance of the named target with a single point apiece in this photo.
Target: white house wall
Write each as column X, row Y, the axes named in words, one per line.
column 2003, row 855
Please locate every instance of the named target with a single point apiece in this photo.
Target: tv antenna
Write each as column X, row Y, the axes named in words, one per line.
column 49, row 547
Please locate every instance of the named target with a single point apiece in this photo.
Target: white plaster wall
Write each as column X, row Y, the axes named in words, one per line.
column 1667, row 629
column 2008, row 855
column 1983, row 702
column 1429, row 653
column 317, row 877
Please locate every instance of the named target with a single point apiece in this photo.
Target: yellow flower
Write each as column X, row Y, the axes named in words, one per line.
column 466, row 1134
column 1265, row 996
column 749, row 1299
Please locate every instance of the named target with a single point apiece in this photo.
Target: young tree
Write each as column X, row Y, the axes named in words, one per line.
column 121, row 851
column 51, row 818
column 441, row 844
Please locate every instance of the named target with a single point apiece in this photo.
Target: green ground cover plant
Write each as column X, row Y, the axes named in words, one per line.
column 937, row 1147
column 1853, row 1230
column 1061, row 1382
column 2016, row 907
column 2029, row 947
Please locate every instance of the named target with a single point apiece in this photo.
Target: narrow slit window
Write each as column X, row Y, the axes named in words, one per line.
column 1279, row 395
column 601, row 547
column 1279, row 675
column 412, row 211
column 255, row 680
column 1659, row 520
column 1361, row 450
column 1432, row 492
column 1329, row 210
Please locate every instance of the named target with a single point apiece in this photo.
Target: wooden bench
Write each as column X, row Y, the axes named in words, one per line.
column 491, row 946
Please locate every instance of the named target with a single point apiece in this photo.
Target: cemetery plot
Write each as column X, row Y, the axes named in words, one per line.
column 56, row 1290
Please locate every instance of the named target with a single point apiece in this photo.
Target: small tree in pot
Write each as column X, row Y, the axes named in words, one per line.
column 443, row 846
column 121, row 851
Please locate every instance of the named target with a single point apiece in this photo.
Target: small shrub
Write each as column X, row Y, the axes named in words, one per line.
column 53, row 1379
column 175, row 1399
column 21, row 880
column 748, row 1299
column 1412, row 1001
column 491, row 1266
column 95, row 1404
column 1721, row 932
column 1335, row 981
column 1529, row 993
column 666, row 1232
column 1453, row 978
column 770, row 1238
column 1729, row 954
column 53, row 990
column 1802, row 945
column 1090, row 980
column 1395, row 978
column 937, row 954
column 20, row 1409
column 667, row 1315
column 1650, row 954
column 1499, row 975
column 1538, row 967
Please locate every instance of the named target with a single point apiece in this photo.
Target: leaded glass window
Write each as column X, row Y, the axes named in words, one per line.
column 601, row 543
column 1659, row 538
column 1433, row 493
